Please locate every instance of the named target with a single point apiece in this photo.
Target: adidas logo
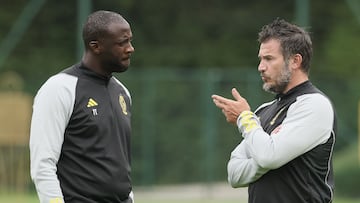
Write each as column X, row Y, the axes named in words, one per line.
column 92, row 103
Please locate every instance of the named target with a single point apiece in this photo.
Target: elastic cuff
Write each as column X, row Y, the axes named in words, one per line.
column 247, row 121
column 57, row 200
column 242, row 115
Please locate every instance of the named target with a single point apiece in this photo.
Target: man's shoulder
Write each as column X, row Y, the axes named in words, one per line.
column 317, row 100
column 59, row 81
column 71, row 70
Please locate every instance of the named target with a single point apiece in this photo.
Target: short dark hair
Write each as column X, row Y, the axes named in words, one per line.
column 293, row 40
column 96, row 25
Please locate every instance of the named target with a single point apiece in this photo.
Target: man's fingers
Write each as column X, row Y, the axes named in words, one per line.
column 236, row 94
column 222, row 99
column 231, row 108
column 221, row 102
column 218, row 103
column 217, row 97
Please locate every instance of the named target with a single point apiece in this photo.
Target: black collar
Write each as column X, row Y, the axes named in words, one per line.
column 305, row 85
column 89, row 72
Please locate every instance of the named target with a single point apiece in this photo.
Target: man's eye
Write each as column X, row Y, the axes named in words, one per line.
column 267, row 58
column 124, row 43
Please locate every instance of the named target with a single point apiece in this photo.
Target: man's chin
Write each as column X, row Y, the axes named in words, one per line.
column 269, row 88
column 275, row 89
column 266, row 89
column 121, row 68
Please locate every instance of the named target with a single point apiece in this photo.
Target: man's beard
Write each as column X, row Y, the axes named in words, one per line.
column 116, row 66
column 281, row 82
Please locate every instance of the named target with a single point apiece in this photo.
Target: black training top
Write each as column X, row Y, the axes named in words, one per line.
column 306, row 179
column 286, row 153
column 89, row 138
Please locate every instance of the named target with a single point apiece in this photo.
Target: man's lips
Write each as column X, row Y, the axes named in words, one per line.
column 264, row 78
column 126, row 59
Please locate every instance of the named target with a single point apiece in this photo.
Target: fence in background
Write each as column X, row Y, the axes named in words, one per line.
column 179, row 136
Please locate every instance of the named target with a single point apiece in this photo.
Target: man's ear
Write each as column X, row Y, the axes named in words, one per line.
column 296, row 61
column 95, row 46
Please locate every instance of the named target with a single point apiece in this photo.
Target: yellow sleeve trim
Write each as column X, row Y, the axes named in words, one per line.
column 248, row 121
column 56, row 200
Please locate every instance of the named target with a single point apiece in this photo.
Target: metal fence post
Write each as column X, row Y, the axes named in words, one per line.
column 19, row 28
column 209, row 124
column 148, row 128
column 302, row 15
column 84, row 9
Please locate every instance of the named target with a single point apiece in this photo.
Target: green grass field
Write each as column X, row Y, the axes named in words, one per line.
column 22, row 198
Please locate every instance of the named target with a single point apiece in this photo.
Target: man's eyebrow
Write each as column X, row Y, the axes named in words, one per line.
column 125, row 38
column 266, row 56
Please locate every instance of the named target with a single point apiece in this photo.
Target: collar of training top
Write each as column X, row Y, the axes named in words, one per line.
column 289, row 93
column 87, row 71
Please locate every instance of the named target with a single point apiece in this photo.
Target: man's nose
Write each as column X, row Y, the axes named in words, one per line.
column 261, row 67
column 130, row 48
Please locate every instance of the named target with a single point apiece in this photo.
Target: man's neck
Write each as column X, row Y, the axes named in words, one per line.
column 295, row 81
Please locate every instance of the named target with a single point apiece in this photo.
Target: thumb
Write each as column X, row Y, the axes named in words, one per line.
column 236, row 94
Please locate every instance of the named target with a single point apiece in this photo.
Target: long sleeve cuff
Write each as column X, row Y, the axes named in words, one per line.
column 247, row 121
column 57, row 200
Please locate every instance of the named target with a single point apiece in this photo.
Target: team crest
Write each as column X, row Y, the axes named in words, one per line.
column 123, row 104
